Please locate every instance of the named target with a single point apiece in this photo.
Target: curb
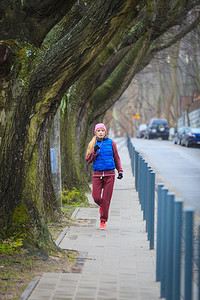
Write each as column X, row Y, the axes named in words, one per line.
column 62, row 234
column 75, row 212
column 32, row 284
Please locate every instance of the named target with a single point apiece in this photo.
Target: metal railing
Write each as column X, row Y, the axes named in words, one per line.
column 174, row 236
column 145, row 186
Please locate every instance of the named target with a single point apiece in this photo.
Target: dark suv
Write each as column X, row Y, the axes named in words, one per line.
column 157, row 128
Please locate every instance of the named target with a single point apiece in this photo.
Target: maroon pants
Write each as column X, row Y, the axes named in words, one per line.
column 102, row 193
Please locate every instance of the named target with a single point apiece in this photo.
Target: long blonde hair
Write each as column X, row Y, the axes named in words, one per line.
column 91, row 145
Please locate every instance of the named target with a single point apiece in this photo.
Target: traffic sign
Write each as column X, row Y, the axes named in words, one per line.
column 137, row 116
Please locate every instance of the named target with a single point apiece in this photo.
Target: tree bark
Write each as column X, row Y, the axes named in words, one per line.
column 173, row 94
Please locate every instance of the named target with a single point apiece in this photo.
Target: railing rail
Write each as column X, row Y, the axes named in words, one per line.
column 171, row 219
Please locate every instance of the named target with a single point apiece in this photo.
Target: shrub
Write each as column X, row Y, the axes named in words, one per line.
column 74, row 197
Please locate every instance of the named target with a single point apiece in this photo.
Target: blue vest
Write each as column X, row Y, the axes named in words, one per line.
column 104, row 160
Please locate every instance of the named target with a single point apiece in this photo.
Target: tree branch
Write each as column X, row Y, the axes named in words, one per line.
column 74, row 52
column 31, row 20
column 177, row 37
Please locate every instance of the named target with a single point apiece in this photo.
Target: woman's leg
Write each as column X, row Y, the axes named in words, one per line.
column 97, row 189
column 108, row 184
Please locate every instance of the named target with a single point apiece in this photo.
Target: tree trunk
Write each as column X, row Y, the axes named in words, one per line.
column 23, row 155
column 174, row 84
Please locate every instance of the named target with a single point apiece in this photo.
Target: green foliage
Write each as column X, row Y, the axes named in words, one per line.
column 11, row 245
column 74, row 197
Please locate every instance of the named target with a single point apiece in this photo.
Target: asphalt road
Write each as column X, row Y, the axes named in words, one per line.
column 176, row 166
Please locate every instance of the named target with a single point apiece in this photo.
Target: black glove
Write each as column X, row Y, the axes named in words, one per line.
column 96, row 148
column 120, row 176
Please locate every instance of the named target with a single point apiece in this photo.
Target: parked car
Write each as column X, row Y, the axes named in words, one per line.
column 178, row 135
column 140, row 130
column 157, row 128
column 190, row 136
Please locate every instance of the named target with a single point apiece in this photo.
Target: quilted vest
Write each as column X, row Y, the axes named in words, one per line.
column 104, row 160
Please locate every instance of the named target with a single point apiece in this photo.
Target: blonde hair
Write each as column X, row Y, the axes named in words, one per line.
column 91, row 145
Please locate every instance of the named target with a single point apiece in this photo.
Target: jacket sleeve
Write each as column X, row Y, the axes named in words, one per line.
column 91, row 157
column 116, row 158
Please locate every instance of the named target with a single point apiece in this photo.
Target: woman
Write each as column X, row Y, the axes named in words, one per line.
column 102, row 151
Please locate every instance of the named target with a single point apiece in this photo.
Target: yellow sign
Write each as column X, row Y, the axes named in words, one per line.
column 137, row 116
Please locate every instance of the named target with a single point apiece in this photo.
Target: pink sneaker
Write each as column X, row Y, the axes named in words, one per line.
column 102, row 226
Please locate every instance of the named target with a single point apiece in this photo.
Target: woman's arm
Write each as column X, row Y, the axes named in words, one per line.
column 91, row 157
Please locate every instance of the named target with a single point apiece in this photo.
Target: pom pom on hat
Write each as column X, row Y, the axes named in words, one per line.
column 100, row 125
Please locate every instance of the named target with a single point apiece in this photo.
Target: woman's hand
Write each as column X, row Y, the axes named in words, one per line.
column 96, row 148
column 120, row 176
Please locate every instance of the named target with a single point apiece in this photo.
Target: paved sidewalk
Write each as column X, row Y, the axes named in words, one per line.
column 117, row 263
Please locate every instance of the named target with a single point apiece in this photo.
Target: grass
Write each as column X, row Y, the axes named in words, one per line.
column 17, row 268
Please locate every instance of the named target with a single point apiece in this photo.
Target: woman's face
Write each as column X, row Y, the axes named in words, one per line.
column 100, row 133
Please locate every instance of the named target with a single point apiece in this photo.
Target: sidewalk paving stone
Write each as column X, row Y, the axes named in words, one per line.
column 117, row 262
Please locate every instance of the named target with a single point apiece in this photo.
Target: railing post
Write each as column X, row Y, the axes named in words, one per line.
column 148, row 194
column 145, row 190
column 178, row 207
column 158, row 240
column 128, row 143
column 189, row 215
column 136, row 170
column 142, row 184
column 139, row 177
column 131, row 153
column 163, row 242
column 152, row 206
column 132, row 158
column 169, row 256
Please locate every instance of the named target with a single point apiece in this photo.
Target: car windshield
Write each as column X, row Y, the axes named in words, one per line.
column 143, row 126
column 159, row 121
column 195, row 130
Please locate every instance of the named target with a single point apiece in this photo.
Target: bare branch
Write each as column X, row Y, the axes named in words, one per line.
column 177, row 37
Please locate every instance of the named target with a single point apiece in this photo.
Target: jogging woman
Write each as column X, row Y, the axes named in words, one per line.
column 102, row 152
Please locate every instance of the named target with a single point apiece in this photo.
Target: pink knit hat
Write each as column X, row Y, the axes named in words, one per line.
column 100, row 125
